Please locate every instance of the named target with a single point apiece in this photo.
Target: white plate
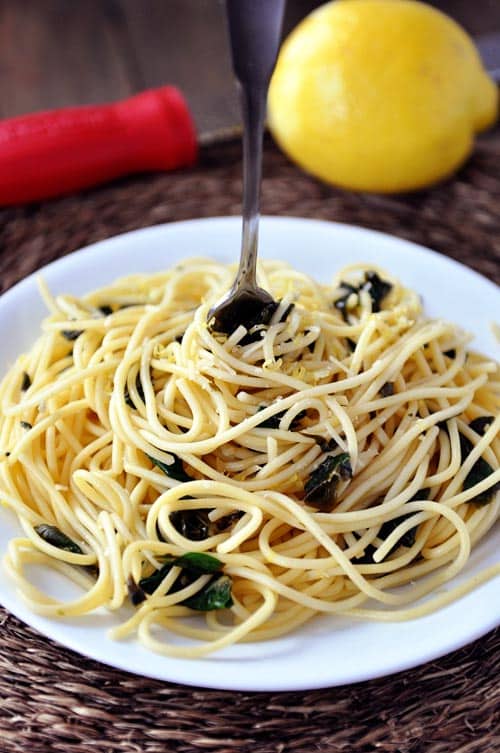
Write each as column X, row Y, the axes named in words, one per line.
column 329, row 651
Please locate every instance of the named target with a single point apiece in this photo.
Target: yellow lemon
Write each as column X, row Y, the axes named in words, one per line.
column 379, row 95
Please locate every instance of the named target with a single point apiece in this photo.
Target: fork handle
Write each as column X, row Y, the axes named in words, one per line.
column 254, row 32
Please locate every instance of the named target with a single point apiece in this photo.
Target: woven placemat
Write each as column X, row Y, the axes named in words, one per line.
column 51, row 699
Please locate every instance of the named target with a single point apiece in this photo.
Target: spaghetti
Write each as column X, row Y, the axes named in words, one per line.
column 341, row 457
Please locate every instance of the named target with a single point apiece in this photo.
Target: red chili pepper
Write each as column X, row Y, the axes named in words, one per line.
column 52, row 153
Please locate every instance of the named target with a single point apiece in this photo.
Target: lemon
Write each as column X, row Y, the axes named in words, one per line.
column 379, row 95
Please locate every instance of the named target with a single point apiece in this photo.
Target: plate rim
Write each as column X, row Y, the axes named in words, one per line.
column 264, row 219
column 40, row 623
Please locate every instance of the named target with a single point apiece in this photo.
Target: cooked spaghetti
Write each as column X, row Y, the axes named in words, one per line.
column 341, row 456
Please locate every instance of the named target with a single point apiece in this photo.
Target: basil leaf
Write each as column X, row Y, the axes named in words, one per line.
column 479, row 472
column 273, row 422
column 286, row 313
column 174, row 470
column 26, row 382
column 140, row 392
column 135, row 593
column 341, row 303
column 193, row 565
column 199, row 562
column 71, row 334
column 320, row 488
column 387, row 389
column 151, row 583
column 105, row 310
column 215, row 595
column 54, row 536
column 407, row 540
column 376, row 288
column 481, row 424
column 327, row 445
column 227, row 521
column 192, row 524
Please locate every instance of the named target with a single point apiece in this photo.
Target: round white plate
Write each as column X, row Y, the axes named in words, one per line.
column 328, row 651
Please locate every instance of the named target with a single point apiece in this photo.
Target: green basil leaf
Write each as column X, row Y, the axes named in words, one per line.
column 71, row 334
column 215, row 595
column 327, row 445
column 135, row 593
column 26, row 382
column 140, row 392
column 174, row 470
column 192, row 524
column 193, row 565
column 320, row 488
column 479, row 472
column 341, row 303
column 54, row 536
column 407, row 540
column 151, row 583
column 481, row 424
column 387, row 389
column 105, row 310
column 376, row 288
column 273, row 422
column 199, row 562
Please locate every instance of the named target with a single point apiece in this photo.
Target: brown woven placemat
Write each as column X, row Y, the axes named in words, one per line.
column 51, row 699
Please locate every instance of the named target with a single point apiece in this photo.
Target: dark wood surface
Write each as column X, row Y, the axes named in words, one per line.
column 55, row 53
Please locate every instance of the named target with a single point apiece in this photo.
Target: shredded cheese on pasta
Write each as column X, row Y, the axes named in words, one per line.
column 129, row 383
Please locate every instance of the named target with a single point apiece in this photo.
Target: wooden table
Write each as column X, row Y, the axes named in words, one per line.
column 60, row 52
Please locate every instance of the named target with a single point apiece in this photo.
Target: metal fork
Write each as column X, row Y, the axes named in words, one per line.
column 254, row 32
